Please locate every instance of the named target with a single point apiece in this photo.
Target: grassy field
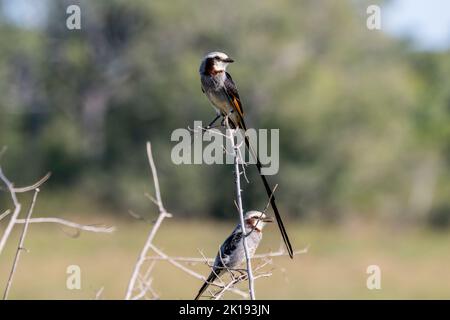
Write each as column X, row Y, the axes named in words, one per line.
column 414, row 263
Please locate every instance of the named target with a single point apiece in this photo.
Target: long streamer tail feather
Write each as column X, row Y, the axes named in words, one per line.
column 270, row 194
column 210, row 279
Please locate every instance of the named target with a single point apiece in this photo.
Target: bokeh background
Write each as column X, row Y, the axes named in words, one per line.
column 364, row 119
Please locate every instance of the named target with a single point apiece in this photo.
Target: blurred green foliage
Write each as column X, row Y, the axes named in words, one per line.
column 364, row 121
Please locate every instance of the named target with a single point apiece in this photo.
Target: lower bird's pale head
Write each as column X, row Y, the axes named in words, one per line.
column 256, row 219
column 214, row 62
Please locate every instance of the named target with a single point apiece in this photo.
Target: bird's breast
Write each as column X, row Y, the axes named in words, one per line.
column 215, row 92
column 219, row 100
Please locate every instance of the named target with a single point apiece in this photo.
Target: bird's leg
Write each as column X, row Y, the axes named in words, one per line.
column 203, row 130
column 212, row 122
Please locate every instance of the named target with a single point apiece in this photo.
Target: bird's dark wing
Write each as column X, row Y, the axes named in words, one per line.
column 226, row 249
column 230, row 244
column 233, row 94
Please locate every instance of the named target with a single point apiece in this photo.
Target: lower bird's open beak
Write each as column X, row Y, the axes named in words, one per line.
column 228, row 60
column 267, row 219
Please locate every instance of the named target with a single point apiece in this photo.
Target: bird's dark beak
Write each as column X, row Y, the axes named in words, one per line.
column 267, row 219
column 228, row 60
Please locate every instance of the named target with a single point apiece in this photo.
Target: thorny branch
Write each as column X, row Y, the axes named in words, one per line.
column 237, row 173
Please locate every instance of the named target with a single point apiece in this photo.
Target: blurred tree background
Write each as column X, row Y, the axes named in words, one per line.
column 364, row 120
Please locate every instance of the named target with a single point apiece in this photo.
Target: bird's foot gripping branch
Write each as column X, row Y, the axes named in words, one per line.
column 212, row 147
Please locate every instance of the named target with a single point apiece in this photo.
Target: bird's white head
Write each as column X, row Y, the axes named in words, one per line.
column 214, row 63
column 256, row 220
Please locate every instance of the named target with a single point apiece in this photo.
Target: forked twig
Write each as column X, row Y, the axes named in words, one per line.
column 148, row 243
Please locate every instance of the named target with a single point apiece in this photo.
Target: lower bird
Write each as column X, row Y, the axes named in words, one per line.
column 231, row 253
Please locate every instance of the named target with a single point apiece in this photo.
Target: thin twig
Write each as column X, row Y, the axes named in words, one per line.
column 14, row 220
column 182, row 259
column 229, row 286
column 155, row 179
column 209, row 260
column 35, row 185
column 279, row 253
column 4, row 214
column 144, row 286
column 145, row 283
column 176, row 264
column 99, row 293
column 162, row 215
column 189, row 271
column 70, row 224
column 17, row 208
column 21, row 246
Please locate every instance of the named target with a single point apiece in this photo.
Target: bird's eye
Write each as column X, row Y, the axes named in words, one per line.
column 217, row 57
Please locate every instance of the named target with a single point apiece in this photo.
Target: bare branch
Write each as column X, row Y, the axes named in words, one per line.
column 155, row 179
column 99, row 293
column 15, row 220
column 4, row 214
column 251, row 284
column 90, row 228
column 20, row 247
column 229, row 286
column 182, row 259
column 210, row 260
column 145, row 284
column 162, row 215
column 145, row 287
column 17, row 208
column 279, row 253
column 189, row 271
column 178, row 265
column 35, row 185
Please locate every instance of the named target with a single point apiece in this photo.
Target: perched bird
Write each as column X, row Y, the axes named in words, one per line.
column 231, row 253
column 220, row 89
